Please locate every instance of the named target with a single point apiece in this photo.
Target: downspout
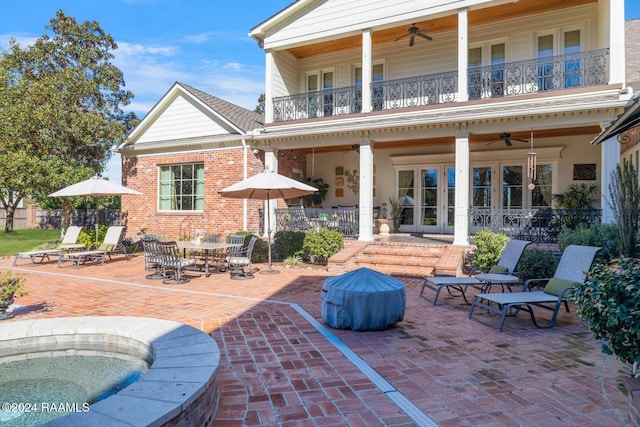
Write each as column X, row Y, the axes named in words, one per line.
column 245, row 167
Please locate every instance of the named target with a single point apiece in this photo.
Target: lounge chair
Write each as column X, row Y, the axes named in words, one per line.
column 111, row 245
column 34, row 255
column 70, row 239
column 457, row 286
column 573, row 267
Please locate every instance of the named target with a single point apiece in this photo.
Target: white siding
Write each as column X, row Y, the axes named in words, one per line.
column 285, row 78
column 342, row 17
column 181, row 119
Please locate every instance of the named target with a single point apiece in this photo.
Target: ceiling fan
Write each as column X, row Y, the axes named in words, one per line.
column 506, row 137
column 414, row 31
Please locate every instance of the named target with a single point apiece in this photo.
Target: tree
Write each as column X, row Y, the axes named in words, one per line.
column 260, row 107
column 60, row 111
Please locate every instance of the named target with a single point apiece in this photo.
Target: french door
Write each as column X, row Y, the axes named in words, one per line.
column 428, row 196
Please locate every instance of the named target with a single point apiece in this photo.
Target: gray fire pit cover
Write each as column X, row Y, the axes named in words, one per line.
column 363, row 300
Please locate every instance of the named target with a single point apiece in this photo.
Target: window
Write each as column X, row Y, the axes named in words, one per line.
column 320, row 99
column 545, row 69
column 182, row 187
column 377, row 92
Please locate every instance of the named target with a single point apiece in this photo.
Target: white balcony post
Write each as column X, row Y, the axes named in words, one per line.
column 366, row 72
column 365, row 231
column 271, row 164
column 616, row 42
column 610, row 158
column 461, row 220
column 268, row 88
column 463, row 55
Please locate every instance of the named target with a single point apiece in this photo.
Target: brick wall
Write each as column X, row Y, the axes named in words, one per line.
column 221, row 215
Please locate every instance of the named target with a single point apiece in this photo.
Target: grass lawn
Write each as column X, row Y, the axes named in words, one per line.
column 26, row 240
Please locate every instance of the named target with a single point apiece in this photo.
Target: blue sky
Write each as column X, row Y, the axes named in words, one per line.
column 203, row 43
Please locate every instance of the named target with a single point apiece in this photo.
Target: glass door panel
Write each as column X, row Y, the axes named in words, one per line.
column 451, row 198
column 406, row 196
column 512, row 187
column 429, row 197
column 481, row 190
column 572, row 66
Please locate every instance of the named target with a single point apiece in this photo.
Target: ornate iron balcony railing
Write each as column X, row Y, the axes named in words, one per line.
column 580, row 69
column 324, row 103
column 573, row 70
column 535, row 225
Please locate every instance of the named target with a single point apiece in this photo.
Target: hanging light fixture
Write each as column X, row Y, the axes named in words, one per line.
column 532, row 160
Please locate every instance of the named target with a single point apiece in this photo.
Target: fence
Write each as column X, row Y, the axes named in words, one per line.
column 83, row 218
column 20, row 218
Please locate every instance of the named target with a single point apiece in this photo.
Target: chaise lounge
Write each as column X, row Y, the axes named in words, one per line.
column 573, row 267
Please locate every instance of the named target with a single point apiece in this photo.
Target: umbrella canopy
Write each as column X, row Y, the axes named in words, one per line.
column 94, row 187
column 265, row 186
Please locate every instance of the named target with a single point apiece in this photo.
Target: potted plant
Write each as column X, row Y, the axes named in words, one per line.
column 316, row 199
column 10, row 287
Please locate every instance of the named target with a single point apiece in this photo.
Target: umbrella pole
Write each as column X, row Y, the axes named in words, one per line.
column 269, row 270
column 96, row 224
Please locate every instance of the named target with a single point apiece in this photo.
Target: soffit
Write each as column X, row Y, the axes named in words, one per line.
column 440, row 25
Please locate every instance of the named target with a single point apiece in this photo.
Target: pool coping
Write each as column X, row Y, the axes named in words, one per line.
column 185, row 365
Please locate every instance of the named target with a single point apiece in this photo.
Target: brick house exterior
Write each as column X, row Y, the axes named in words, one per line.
column 188, row 126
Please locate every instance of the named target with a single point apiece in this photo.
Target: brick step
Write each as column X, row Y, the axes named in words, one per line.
column 398, row 270
column 387, row 259
column 422, row 251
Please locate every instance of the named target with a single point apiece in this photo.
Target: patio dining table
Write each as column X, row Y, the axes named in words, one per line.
column 206, row 247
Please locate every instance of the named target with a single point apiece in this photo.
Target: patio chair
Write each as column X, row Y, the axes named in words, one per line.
column 70, row 239
column 173, row 265
column 573, row 267
column 240, row 264
column 222, row 257
column 34, row 255
column 208, row 238
column 152, row 258
column 457, row 286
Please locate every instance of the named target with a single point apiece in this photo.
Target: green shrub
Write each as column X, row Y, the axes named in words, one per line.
column 293, row 259
column 605, row 236
column 320, row 244
column 536, row 263
column 609, row 303
column 288, row 243
column 87, row 236
column 489, row 247
column 260, row 250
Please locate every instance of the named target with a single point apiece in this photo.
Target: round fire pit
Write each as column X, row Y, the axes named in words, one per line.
column 363, row 300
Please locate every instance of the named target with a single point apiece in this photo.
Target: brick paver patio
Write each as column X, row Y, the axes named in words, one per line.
column 279, row 368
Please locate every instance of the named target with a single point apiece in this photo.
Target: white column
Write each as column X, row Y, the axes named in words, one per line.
column 268, row 88
column 616, row 42
column 365, row 232
column 461, row 220
column 271, row 164
column 366, row 71
column 610, row 158
column 463, row 55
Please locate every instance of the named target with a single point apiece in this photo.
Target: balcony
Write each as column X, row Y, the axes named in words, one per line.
column 583, row 69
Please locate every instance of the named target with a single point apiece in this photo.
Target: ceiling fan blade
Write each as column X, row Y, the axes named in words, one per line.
column 412, row 39
column 507, row 141
column 520, row 140
column 401, row 37
column 424, row 36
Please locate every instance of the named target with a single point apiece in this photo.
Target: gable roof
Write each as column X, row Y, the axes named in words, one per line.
column 216, row 121
column 243, row 119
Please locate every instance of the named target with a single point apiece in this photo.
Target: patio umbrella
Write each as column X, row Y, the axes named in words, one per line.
column 94, row 187
column 267, row 185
